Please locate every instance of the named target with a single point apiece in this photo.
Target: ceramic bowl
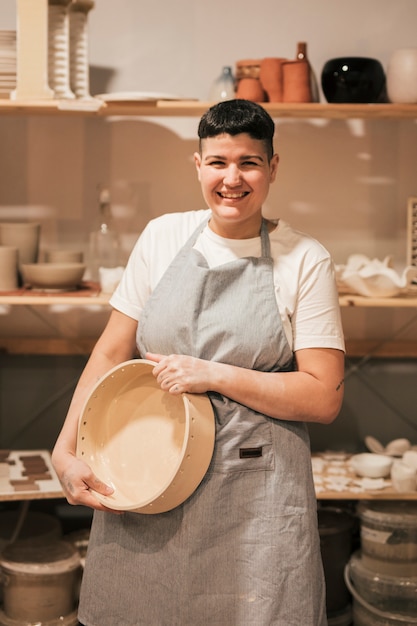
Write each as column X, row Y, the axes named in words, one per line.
column 353, row 79
column 151, row 446
column 53, row 276
column 371, row 465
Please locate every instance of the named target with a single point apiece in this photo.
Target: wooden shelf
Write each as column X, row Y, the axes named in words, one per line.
column 335, row 480
column 44, row 299
column 345, row 300
column 403, row 301
column 195, row 108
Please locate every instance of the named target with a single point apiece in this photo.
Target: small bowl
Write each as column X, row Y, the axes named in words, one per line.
column 53, row 276
column 371, row 465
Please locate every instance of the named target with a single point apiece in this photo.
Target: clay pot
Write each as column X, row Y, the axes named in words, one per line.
column 250, row 89
column 24, row 236
column 296, row 81
column 271, row 77
column 8, row 268
column 402, row 76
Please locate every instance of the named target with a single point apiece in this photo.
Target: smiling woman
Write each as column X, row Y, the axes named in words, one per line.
column 245, row 310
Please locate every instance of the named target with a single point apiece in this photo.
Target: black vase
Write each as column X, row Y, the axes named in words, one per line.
column 353, row 79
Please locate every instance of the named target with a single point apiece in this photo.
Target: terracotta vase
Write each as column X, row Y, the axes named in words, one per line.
column 271, row 78
column 296, row 81
column 250, row 89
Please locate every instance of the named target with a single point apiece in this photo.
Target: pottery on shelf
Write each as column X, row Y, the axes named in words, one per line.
column 373, row 278
column 250, row 89
column 402, row 76
column 8, row 268
column 296, row 81
column 24, row 236
column 271, row 78
column 353, row 80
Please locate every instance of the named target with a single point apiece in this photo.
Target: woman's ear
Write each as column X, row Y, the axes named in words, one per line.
column 197, row 161
column 273, row 165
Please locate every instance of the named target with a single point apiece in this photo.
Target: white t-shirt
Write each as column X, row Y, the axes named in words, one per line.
column 304, row 280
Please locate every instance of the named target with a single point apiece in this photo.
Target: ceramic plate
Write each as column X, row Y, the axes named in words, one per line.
column 137, row 96
column 153, row 447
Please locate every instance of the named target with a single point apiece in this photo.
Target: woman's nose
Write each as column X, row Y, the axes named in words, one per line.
column 232, row 175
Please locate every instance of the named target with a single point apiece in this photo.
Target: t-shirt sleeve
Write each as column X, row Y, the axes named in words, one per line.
column 316, row 322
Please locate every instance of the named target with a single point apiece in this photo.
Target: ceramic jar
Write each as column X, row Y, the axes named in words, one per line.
column 248, row 85
column 402, row 76
column 271, row 79
column 24, row 236
column 296, row 81
column 8, row 268
column 250, row 89
column 353, row 79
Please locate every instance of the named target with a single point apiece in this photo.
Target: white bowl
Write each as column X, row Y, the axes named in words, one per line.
column 371, row 465
column 53, row 276
column 151, row 446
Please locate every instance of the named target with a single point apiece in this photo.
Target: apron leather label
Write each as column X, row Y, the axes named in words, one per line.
column 250, row 453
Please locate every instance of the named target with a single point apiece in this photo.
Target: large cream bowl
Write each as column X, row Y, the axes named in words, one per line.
column 152, row 447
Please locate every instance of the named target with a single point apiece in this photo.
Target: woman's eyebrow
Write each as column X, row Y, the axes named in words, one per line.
column 244, row 157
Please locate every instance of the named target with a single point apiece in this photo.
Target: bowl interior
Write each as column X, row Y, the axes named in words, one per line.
column 132, row 435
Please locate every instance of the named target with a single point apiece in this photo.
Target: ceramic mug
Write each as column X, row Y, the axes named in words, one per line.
column 24, row 236
column 8, row 268
column 404, row 477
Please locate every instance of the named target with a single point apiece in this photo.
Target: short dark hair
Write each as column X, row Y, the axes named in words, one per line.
column 233, row 117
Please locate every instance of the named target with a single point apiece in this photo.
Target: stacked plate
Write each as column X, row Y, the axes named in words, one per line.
column 7, row 62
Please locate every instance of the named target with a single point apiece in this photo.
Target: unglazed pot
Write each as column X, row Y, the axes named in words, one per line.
column 250, row 89
column 8, row 268
column 296, row 81
column 271, row 78
column 402, row 76
column 24, row 236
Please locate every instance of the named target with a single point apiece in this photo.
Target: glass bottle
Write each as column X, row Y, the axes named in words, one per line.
column 104, row 242
column 223, row 88
column 302, row 55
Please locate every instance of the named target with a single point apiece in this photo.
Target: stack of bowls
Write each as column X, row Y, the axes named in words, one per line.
column 382, row 577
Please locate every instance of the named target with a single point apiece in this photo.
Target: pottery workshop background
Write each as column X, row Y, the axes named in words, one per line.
column 346, row 182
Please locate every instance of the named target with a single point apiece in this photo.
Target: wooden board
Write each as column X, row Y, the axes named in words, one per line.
column 28, row 475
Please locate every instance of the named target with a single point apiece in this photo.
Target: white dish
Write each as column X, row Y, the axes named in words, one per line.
column 138, row 96
column 53, row 276
column 151, row 446
column 371, row 465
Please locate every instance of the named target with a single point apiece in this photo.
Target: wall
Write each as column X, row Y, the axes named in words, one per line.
column 345, row 182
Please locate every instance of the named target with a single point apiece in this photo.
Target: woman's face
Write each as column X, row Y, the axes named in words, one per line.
column 235, row 175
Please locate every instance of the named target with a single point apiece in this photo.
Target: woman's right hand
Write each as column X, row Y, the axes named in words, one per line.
column 78, row 481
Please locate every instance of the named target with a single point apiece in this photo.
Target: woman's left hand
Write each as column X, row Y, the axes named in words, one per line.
column 180, row 373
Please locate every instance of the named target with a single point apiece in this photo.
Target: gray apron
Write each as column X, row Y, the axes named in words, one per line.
column 244, row 549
